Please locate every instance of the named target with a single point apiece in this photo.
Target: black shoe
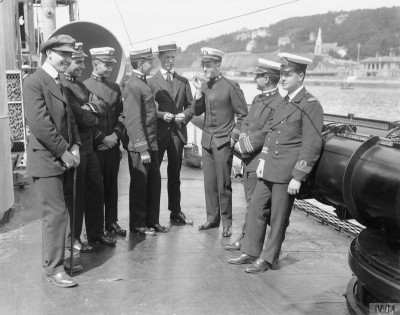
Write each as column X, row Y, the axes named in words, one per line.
column 105, row 240
column 143, row 231
column 259, row 266
column 115, row 228
column 159, row 228
column 180, row 217
column 234, row 246
column 227, row 231
column 207, row 226
column 242, row 259
column 83, row 248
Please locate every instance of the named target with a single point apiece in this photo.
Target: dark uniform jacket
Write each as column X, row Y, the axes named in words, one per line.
column 222, row 100
column 110, row 93
column 51, row 122
column 174, row 101
column 140, row 115
column 78, row 95
column 253, row 132
column 294, row 142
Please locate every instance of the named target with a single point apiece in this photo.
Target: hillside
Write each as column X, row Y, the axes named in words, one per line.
column 376, row 30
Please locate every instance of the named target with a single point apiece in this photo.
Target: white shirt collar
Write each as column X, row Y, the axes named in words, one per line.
column 50, row 70
column 164, row 72
column 268, row 91
column 294, row 93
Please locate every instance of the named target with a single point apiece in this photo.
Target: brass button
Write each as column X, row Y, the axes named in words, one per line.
column 277, row 142
column 276, row 152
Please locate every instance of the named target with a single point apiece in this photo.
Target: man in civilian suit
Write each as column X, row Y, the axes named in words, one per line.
column 108, row 132
column 141, row 143
column 220, row 99
column 252, row 134
column 53, row 149
column 291, row 149
column 89, row 184
column 173, row 95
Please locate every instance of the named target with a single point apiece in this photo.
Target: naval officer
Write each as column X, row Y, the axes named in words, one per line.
column 108, row 132
column 173, row 95
column 53, row 149
column 141, row 142
column 220, row 99
column 89, row 184
column 252, row 134
column 292, row 147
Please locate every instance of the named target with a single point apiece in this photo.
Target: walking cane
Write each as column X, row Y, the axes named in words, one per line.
column 72, row 218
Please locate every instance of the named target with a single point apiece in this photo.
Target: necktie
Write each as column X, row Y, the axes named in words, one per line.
column 169, row 78
column 287, row 101
column 58, row 81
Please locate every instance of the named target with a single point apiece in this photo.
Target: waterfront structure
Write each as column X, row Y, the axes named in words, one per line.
column 381, row 66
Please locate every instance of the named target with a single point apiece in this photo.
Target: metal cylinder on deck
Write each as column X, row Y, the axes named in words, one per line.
column 93, row 35
column 362, row 174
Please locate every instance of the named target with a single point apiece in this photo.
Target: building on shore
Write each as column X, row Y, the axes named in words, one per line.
column 381, row 66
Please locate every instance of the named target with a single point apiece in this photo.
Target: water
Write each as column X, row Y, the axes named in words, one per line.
column 365, row 102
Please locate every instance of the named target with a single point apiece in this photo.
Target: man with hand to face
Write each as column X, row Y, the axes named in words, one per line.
column 53, row 149
column 292, row 147
column 220, row 100
column 109, row 130
column 141, row 143
column 89, row 184
column 174, row 97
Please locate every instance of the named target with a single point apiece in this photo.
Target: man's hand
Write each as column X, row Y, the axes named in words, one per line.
column 168, row 117
column 200, row 85
column 260, row 169
column 180, row 117
column 75, row 152
column 111, row 140
column 294, row 187
column 68, row 159
column 145, row 157
column 86, row 107
column 102, row 147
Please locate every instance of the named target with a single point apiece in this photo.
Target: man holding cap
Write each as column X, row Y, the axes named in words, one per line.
column 141, row 128
column 252, row 134
column 174, row 97
column 221, row 100
column 291, row 149
column 108, row 132
column 52, row 150
column 89, row 184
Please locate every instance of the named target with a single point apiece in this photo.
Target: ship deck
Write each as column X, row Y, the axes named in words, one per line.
column 182, row 272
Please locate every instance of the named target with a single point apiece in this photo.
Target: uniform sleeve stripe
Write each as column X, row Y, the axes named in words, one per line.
column 303, row 168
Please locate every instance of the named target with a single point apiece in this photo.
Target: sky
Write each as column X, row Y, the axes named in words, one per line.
column 149, row 19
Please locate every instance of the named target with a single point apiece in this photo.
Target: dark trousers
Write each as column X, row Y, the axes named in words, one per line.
column 109, row 165
column 249, row 184
column 217, row 166
column 270, row 201
column 89, row 197
column 144, row 191
column 50, row 192
column 174, row 147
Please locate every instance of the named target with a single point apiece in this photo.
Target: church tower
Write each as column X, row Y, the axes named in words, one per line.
column 318, row 44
